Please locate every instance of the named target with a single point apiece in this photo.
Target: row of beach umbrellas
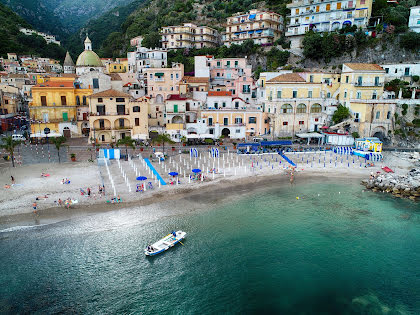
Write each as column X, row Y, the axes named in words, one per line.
column 196, row 170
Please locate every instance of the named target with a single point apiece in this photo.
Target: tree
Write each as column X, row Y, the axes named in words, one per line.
column 340, row 114
column 410, row 40
column 128, row 142
column 58, row 142
column 162, row 139
column 151, row 40
column 9, row 145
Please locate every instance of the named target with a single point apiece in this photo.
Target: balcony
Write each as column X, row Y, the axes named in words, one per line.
column 110, row 113
column 102, row 128
column 123, row 127
column 368, row 84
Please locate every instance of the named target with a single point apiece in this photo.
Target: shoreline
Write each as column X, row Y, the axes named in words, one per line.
column 53, row 214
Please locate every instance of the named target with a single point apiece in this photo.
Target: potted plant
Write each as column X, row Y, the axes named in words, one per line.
column 73, row 157
column 184, row 141
column 234, row 145
column 97, row 147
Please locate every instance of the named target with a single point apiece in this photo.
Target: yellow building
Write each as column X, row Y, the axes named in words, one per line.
column 116, row 68
column 299, row 102
column 361, row 90
column 115, row 115
column 54, row 106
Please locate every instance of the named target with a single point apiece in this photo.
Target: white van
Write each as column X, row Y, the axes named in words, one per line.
column 18, row 138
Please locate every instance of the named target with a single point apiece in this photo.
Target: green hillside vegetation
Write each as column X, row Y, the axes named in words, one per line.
column 110, row 33
column 38, row 14
column 11, row 40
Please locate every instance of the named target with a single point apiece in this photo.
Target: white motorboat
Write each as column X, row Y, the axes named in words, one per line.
column 165, row 243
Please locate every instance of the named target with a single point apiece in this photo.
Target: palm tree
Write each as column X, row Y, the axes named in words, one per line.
column 128, row 142
column 58, row 142
column 9, row 145
column 162, row 139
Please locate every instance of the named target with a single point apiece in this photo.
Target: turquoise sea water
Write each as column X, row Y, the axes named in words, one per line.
column 335, row 250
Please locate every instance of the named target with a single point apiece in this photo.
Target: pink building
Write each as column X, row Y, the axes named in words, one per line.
column 227, row 74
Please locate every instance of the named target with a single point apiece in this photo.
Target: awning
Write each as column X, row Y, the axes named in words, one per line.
column 206, row 136
column 252, row 16
column 258, row 31
column 159, row 74
column 192, row 136
column 237, row 33
column 139, row 137
column 250, row 32
column 280, row 142
column 309, row 135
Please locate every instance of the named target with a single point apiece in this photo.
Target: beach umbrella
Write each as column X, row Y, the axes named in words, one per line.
column 173, row 173
column 196, row 170
column 141, row 178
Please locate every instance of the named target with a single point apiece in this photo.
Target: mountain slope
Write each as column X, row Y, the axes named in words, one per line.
column 11, row 40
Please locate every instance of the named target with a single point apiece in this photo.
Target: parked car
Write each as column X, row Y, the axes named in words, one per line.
column 18, row 138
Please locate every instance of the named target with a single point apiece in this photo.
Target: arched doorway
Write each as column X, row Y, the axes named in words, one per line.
column 159, row 99
column 66, row 132
column 225, row 132
column 379, row 132
column 177, row 120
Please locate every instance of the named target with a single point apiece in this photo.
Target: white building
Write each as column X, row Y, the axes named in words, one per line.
column 414, row 20
column 325, row 16
column 145, row 58
column 50, row 39
column 402, row 71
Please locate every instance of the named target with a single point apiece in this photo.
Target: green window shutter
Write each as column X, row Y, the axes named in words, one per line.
column 65, row 116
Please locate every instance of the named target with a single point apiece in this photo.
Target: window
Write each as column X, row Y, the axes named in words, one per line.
column 63, row 101
column 238, row 130
column 359, row 95
column 43, row 100
column 376, row 81
column 65, row 116
column 103, row 137
column 100, row 109
column 136, row 109
column 338, row 5
column 386, row 70
column 120, row 100
column 328, row 95
column 121, row 109
column 374, row 95
column 407, row 71
column 225, row 121
column 224, row 104
column 301, row 122
column 236, row 104
column 252, row 120
column 294, row 94
column 359, row 81
column 84, row 100
column 115, row 67
column 311, row 78
column 378, row 115
column 309, row 94
column 285, row 123
column 316, row 108
column 228, row 64
column 345, row 94
column 328, row 8
column 238, row 120
column 216, row 105
column 77, row 100
column 96, row 83
column 316, row 119
column 347, row 79
column 101, row 123
column 301, row 109
column 362, row 1
column 121, row 122
column 211, row 131
column 176, row 75
column 286, row 109
column 210, row 121
column 236, row 63
column 137, row 121
column 388, row 115
column 278, row 93
column 218, row 64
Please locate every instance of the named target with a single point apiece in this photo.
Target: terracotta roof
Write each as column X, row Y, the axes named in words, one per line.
column 288, row 77
column 115, row 77
column 176, row 97
column 364, row 66
column 220, row 93
column 18, row 76
column 55, row 84
column 110, row 93
column 190, row 79
column 69, row 75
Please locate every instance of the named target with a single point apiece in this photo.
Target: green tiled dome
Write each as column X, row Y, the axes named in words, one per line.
column 88, row 58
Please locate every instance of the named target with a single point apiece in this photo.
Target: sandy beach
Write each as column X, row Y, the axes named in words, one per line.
column 16, row 201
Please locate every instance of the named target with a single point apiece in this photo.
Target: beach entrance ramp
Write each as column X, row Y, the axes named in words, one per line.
column 150, row 165
column 287, row 159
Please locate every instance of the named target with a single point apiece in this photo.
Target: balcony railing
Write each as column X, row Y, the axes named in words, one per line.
column 110, row 113
column 123, row 127
column 367, row 84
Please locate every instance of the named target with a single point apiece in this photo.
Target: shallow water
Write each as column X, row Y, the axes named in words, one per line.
column 335, row 250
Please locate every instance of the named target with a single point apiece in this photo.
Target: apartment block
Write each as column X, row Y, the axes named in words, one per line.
column 188, row 36
column 325, row 16
column 414, row 20
column 260, row 26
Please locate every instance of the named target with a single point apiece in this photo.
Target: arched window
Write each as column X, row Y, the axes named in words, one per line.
column 388, row 115
column 316, row 108
column 77, row 100
column 84, row 100
column 301, row 109
column 136, row 109
column 286, row 109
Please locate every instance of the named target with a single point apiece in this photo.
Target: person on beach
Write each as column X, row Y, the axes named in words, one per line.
column 60, row 202
column 103, row 190
column 100, row 190
column 13, row 180
column 88, row 192
column 34, row 205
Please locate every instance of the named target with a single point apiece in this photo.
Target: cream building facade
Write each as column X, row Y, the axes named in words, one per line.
column 115, row 115
column 188, row 35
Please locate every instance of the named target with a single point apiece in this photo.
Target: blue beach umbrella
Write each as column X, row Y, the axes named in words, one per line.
column 196, row 170
column 173, row 173
column 141, row 178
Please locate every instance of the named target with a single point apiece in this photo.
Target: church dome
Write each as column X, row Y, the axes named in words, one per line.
column 89, row 58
